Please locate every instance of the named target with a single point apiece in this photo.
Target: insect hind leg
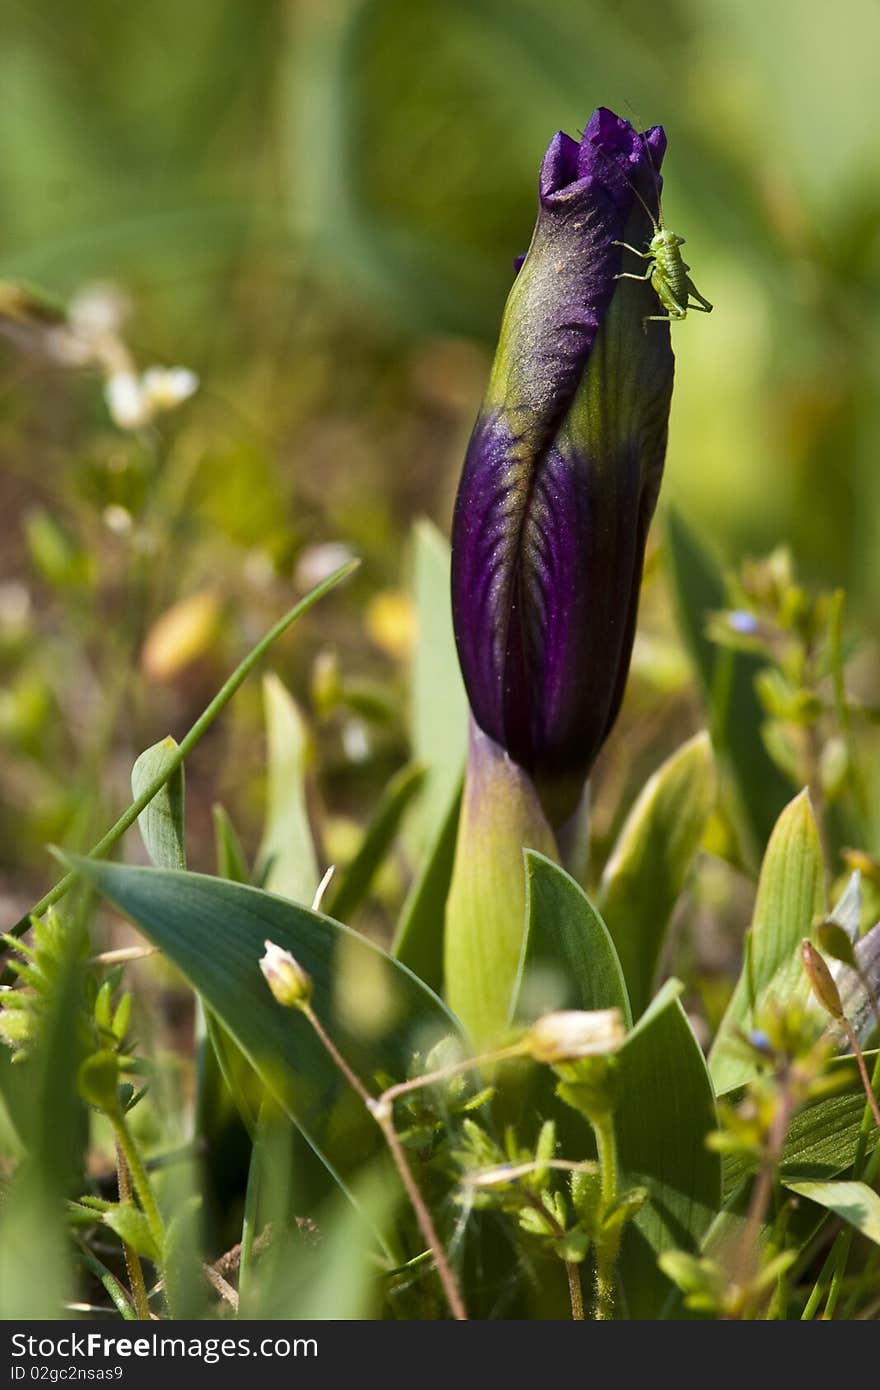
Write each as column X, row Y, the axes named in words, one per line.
column 702, row 304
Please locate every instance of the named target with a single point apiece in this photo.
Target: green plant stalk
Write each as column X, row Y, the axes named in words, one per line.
column 838, row 1256
column 572, row 1270
column 606, row 1251
column 249, row 1225
column 111, row 1284
column 141, row 1181
column 189, row 741
column 383, row 1113
column 131, row 1256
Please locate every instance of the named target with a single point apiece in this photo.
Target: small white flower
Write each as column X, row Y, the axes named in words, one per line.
column 15, row 605
column 318, row 562
column 569, row 1034
column 98, row 311
column 165, row 388
column 117, row 519
column 125, row 401
column 355, row 741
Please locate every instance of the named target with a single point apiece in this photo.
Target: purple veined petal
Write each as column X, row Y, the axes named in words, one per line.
column 563, row 468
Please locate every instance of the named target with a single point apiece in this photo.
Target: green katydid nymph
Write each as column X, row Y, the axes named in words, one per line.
column 667, row 269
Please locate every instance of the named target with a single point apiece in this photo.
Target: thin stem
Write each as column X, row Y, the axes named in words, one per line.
column 249, row 1222
column 572, row 1269
column 606, row 1251
column 112, row 1286
column 188, row 742
column 863, row 1072
column 430, row 1078
column 761, row 1195
column 382, row 1112
column 385, row 1122
column 141, row 1181
column 131, row 1256
column 838, row 1256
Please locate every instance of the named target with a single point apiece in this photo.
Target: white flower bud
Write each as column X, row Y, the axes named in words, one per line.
column 569, row 1034
column 289, row 983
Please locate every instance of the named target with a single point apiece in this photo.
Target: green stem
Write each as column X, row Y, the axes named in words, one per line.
column 868, row 1118
column 188, row 742
column 383, row 1113
column 141, row 1181
column 606, row 1251
column 111, row 1285
column 249, row 1223
column 130, row 1255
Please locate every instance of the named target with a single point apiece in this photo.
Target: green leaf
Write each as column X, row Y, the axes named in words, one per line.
column 854, row 1202
column 132, row 1226
column 439, row 709
column 649, row 864
column 214, row 932
column 346, row 895
column 418, row 942
column 665, row 1109
column 823, row 1137
column 568, row 959
column 791, row 894
column 161, row 823
column 231, row 861
column 726, row 679
column 287, row 849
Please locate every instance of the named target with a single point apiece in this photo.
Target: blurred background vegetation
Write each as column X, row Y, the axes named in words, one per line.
column 315, row 205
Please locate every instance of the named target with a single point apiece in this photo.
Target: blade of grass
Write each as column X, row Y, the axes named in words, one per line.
column 189, row 741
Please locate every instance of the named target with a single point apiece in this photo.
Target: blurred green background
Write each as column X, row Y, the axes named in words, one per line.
column 315, row 204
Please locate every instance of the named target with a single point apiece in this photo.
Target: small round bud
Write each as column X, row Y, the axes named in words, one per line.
column 569, row 1034
column 821, row 979
column 289, row 983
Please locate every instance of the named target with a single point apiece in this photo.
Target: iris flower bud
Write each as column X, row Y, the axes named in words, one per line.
column 563, row 468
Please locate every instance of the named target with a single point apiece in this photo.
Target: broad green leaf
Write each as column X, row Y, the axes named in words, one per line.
column 822, row 1142
column 161, row 823
column 823, row 1137
column 854, row 1202
column 130, row 1224
column 665, row 1109
column 231, row 861
column 649, row 864
column 438, row 709
column 346, row 895
column 726, row 679
column 215, row 932
column 791, row 894
column 568, row 959
column 418, row 942
column 287, row 850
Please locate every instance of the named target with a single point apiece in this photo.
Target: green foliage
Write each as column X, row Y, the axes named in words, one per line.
column 791, row 896
column 568, row 959
column 651, row 859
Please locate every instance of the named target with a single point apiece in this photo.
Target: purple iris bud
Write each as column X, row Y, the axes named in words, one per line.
column 564, row 465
